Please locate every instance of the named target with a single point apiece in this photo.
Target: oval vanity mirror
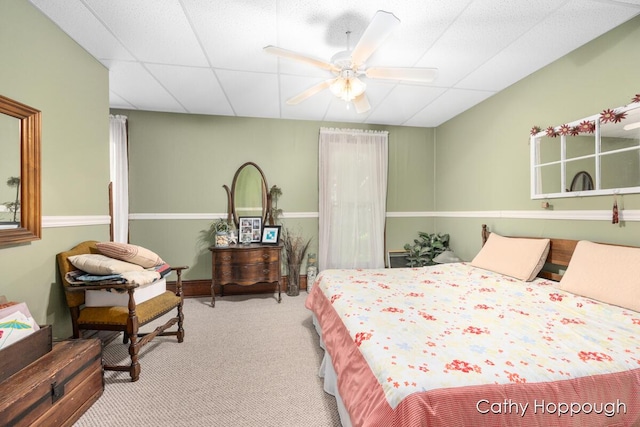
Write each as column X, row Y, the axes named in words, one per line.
column 582, row 181
column 248, row 196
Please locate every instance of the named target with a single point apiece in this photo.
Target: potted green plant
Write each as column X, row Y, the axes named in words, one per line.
column 425, row 248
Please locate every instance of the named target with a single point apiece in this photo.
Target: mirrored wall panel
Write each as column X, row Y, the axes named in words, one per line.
column 596, row 155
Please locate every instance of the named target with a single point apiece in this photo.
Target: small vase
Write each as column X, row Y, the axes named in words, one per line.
column 312, row 270
column 312, row 273
column 222, row 239
column 293, row 281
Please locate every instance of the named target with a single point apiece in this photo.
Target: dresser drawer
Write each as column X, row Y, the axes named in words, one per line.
column 249, row 256
column 246, row 274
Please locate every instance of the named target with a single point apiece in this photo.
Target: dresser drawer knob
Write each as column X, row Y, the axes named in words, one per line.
column 265, row 256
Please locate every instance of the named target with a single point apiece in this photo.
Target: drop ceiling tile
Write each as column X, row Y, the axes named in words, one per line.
column 422, row 23
column 196, row 89
column 83, row 26
column 251, row 94
column 233, row 33
column 479, row 33
column 446, row 106
column 559, row 33
column 319, row 28
column 402, row 103
column 135, row 85
column 588, row 20
column 116, row 101
column 154, row 30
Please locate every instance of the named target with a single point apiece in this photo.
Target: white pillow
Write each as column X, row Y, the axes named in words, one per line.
column 516, row 257
column 605, row 273
column 102, row 265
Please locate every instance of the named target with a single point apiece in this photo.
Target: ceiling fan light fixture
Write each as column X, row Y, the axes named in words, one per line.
column 348, row 88
column 347, row 65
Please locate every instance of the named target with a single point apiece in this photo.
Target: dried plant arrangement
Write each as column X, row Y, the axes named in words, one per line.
column 295, row 249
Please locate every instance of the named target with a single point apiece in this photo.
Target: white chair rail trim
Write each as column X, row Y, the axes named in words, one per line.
column 590, row 215
column 209, row 216
column 571, row 215
column 580, row 215
column 74, row 221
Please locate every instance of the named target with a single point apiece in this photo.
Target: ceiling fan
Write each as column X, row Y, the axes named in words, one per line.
column 348, row 66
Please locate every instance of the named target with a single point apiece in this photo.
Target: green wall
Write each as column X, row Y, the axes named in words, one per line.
column 179, row 163
column 484, row 152
column 43, row 68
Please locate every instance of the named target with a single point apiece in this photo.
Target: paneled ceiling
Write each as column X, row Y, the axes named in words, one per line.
column 206, row 56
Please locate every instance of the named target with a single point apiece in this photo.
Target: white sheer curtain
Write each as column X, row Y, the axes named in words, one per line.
column 353, row 192
column 119, row 175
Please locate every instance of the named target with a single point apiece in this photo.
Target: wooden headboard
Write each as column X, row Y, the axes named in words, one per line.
column 560, row 251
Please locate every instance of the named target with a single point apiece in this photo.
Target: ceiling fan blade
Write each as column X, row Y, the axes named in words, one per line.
column 382, row 24
column 424, row 75
column 361, row 103
column 310, row 92
column 285, row 53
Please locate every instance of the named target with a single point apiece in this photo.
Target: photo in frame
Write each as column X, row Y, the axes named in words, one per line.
column 250, row 229
column 271, row 235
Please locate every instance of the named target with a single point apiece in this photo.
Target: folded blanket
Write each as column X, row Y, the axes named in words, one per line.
column 163, row 269
column 79, row 277
column 140, row 278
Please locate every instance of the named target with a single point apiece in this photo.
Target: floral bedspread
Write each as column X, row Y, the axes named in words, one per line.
column 450, row 325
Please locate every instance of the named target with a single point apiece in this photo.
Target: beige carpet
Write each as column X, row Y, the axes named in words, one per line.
column 247, row 362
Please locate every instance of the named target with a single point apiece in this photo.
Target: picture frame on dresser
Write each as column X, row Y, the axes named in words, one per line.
column 250, row 229
column 271, row 235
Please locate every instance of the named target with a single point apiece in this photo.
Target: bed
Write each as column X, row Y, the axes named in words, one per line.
column 491, row 342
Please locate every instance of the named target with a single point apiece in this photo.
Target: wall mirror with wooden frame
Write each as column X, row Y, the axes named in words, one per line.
column 249, row 194
column 20, row 135
column 604, row 147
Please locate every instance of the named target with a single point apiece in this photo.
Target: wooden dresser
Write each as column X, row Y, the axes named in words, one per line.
column 245, row 265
